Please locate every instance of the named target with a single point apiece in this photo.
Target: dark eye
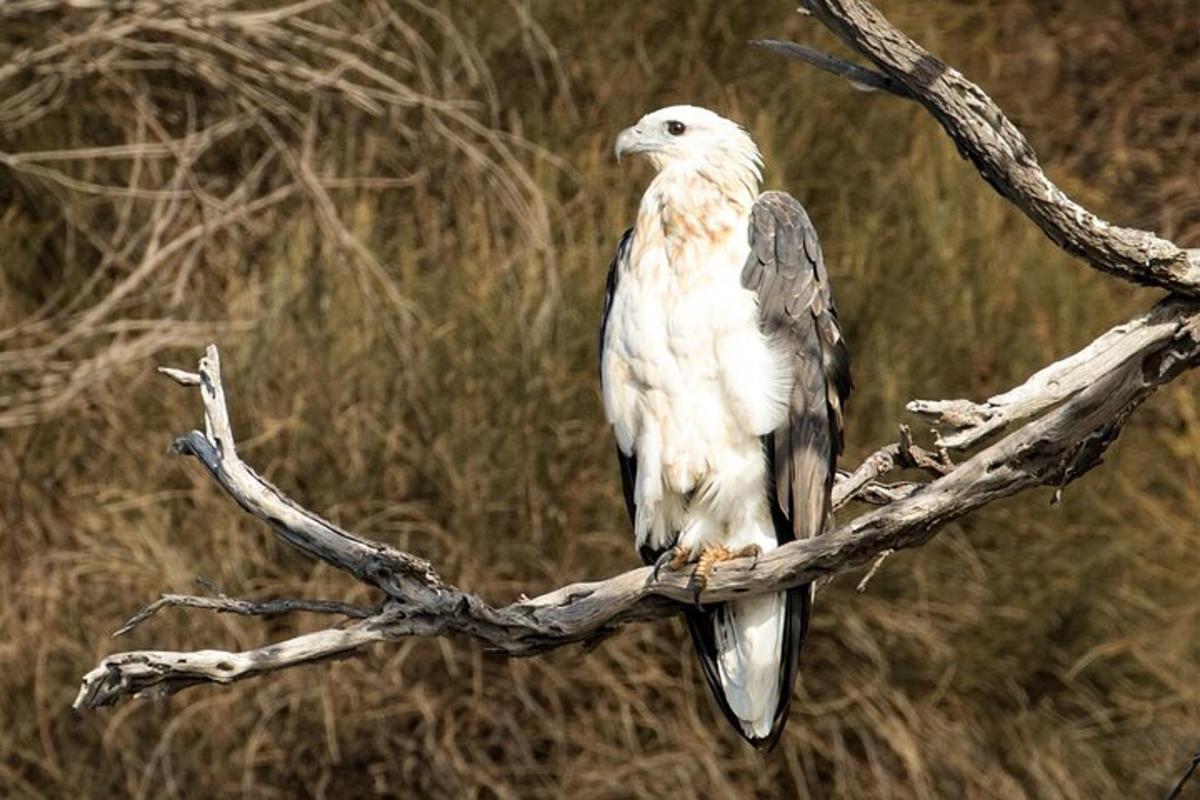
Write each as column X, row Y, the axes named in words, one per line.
column 676, row 128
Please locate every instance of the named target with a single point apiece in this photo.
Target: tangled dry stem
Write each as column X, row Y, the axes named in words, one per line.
column 265, row 86
column 1070, row 412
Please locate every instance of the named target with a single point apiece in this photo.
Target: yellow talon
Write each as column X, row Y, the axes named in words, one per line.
column 710, row 556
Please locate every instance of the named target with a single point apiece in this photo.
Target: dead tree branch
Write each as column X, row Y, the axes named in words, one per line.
column 997, row 148
column 970, row 423
column 1071, row 412
column 1052, row 450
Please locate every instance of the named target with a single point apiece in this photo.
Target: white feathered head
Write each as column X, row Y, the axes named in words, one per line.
column 694, row 139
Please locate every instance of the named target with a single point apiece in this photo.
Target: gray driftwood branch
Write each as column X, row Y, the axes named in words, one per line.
column 1068, row 415
column 997, row 148
column 964, row 423
column 1051, row 450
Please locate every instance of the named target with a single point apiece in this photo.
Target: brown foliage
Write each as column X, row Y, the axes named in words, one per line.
column 395, row 218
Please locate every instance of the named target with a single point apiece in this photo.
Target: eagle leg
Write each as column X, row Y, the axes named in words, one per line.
column 712, row 555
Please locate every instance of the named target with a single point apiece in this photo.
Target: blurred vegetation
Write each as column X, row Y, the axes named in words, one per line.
column 395, row 220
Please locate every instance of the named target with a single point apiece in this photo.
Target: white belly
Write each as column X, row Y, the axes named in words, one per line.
column 690, row 385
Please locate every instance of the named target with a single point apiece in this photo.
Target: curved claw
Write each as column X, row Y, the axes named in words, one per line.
column 661, row 562
column 696, row 585
column 672, row 557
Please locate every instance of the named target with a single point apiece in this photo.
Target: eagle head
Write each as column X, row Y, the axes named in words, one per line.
column 692, row 139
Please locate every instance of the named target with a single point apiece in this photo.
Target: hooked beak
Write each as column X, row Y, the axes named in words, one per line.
column 629, row 141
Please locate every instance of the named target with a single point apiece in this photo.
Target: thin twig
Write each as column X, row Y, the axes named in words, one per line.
column 1183, row 779
column 862, row 585
column 227, row 605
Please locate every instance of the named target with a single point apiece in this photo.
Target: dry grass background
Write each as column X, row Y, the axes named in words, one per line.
column 395, row 219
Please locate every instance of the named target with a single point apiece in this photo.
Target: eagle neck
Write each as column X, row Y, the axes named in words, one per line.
column 687, row 212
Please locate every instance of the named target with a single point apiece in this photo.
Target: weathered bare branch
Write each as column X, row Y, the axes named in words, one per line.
column 970, row 422
column 862, row 484
column 1083, row 401
column 862, row 584
column 395, row 572
column 1053, row 450
column 997, row 148
column 876, row 493
column 859, row 484
column 156, row 673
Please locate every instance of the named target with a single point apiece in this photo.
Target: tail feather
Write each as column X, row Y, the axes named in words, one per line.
column 749, row 639
column 735, row 630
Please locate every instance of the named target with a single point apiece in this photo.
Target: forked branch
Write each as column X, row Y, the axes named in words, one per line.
column 1070, row 413
column 1052, row 450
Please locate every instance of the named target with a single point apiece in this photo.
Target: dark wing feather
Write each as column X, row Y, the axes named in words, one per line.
column 628, row 463
column 796, row 309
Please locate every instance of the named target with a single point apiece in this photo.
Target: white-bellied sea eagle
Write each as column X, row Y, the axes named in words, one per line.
column 724, row 374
